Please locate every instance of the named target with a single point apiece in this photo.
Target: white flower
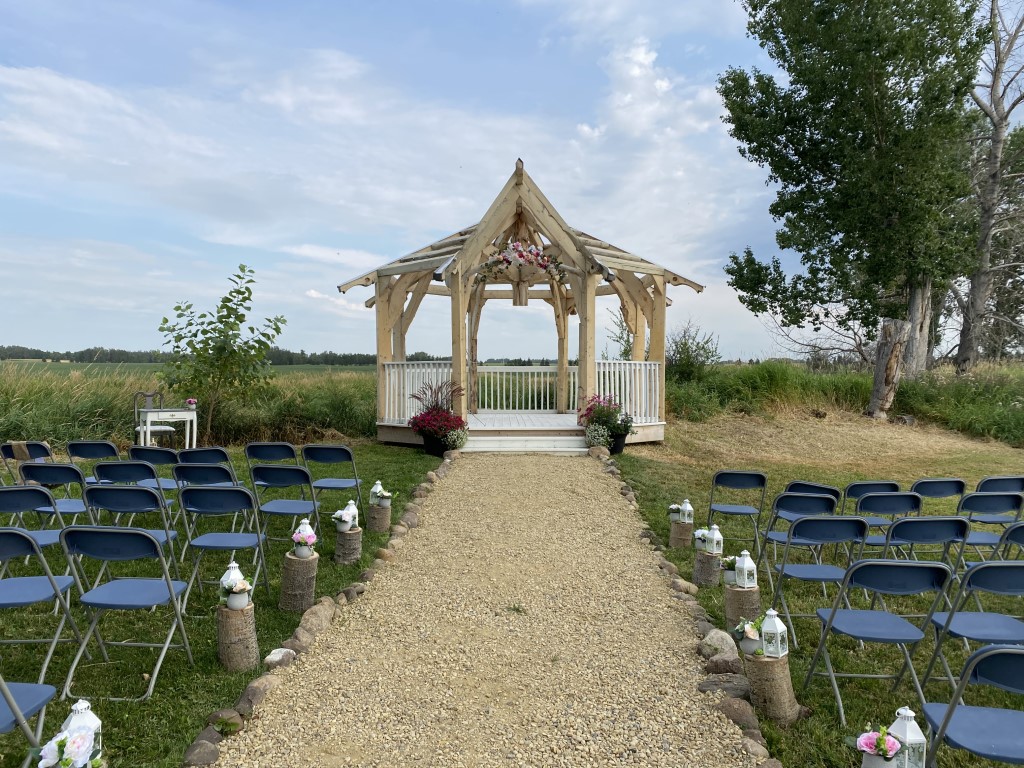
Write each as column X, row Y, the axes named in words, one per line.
column 79, row 747
column 50, row 753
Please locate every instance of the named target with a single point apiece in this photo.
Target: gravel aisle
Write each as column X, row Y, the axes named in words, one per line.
column 524, row 623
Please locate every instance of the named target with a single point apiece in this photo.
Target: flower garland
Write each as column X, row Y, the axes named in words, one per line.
column 518, row 255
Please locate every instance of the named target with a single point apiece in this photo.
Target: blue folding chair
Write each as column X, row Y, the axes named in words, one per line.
column 751, row 484
column 980, row 626
column 22, row 591
column 18, row 451
column 20, row 702
column 789, row 507
column 989, row 508
column 1012, row 538
column 203, row 474
column 283, row 478
column 939, row 488
column 879, row 578
column 1001, row 484
column 941, row 537
column 209, row 455
column 335, row 459
column 88, row 452
column 270, row 453
column 813, row 534
column 140, row 473
column 114, row 545
column 127, row 501
column 20, row 500
column 53, row 476
column 880, row 509
column 815, row 489
column 858, row 488
column 155, row 457
column 210, row 503
column 993, row 733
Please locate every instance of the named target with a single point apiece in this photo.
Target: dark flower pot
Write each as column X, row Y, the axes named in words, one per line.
column 618, row 444
column 434, row 445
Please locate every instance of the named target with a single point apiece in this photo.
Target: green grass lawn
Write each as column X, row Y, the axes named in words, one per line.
column 836, row 450
column 156, row 732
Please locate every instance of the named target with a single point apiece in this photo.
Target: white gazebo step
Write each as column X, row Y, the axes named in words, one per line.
column 516, row 444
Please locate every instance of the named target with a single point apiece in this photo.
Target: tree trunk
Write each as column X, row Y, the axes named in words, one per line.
column 919, row 313
column 891, row 342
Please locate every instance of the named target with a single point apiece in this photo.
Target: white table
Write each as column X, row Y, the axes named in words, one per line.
column 150, row 416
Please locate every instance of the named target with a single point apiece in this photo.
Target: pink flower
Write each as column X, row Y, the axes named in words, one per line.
column 875, row 743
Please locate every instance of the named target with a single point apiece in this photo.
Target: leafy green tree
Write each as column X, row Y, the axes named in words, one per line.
column 216, row 355
column 690, row 353
column 863, row 136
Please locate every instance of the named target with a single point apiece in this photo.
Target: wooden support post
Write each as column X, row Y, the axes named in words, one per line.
column 562, row 328
column 458, row 302
column 639, row 337
column 771, row 688
column 348, row 546
column 298, row 582
column 587, row 371
column 378, row 519
column 237, row 648
column 384, row 349
column 657, row 353
column 707, row 571
column 741, row 604
column 680, row 535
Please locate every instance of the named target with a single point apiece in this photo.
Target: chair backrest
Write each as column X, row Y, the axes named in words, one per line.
column 92, row 450
column 805, row 503
column 110, row 543
column 1012, row 536
column 1001, row 484
column 898, row 577
column 281, row 475
column 931, row 529
column 124, row 499
column 327, row 454
column 148, row 400
column 18, row 499
column 998, row 577
column 202, row 474
column 829, row 529
column 152, row 454
column 740, row 479
column 53, row 475
column 858, row 488
column 939, row 487
column 891, row 504
column 1001, row 666
column 802, row 486
column 124, row 472
column 26, row 450
column 217, row 500
column 991, row 504
column 262, row 453
column 15, row 543
column 206, row 455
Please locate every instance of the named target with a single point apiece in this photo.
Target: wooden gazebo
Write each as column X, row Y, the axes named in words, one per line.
column 568, row 270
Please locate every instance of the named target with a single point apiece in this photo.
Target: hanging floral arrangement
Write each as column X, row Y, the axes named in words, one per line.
column 517, row 255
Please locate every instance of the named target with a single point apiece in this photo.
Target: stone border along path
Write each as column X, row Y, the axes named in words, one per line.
column 524, row 623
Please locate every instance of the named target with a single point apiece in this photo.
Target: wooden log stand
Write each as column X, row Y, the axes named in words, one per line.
column 771, row 688
column 348, row 546
column 298, row 582
column 707, row 570
column 237, row 648
column 378, row 519
column 741, row 604
column 680, row 535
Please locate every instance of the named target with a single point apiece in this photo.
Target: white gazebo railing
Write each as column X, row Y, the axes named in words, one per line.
column 506, row 388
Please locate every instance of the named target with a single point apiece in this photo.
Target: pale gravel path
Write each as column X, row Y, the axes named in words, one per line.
column 523, row 624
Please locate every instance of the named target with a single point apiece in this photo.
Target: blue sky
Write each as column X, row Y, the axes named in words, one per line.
column 146, row 149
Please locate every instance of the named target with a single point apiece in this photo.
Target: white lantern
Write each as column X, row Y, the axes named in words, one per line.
column 774, row 636
column 912, row 753
column 82, row 716
column 715, row 541
column 231, row 576
column 686, row 511
column 746, row 571
column 700, row 539
column 351, row 511
column 374, row 498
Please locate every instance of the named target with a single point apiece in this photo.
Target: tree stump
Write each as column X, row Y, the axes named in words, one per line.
column 348, row 546
column 741, row 604
column 378, row 519
column 298, row 582
column 237, row 648
column 680, row 535
column 888, row 366
column 707, row 570
column 771, row 688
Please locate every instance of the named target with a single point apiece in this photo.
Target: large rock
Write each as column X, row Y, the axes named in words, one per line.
column 599, row 452
column 740, row 712
column 716, row 642
column 210, row 734
column 255, row 693
column 703, row 627
column 279, row 657
column 736, row 686
column 724, row 662
column 432, row 478
column 754, row 749
column 411, row 520
column 451, row 455
column 300, row 641
column 318, row 618
column 201, row 753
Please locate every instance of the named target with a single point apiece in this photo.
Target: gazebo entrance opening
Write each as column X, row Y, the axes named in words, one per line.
column 522, row 251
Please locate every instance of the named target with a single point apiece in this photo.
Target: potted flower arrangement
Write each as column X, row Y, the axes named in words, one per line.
column 748, row 633
column 437, row 420
column 729, row 570
column 191, row 403
column 75, row 748
column 304, row 539
column 605, row 423
column 238, row 596
column 700, row 539
column 384, row 499
column 878, row 747
column 347, row 518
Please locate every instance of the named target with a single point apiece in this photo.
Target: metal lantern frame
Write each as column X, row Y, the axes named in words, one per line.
column 774, row 636
column 746, row 571
column 686, row 511
column 914, row 750
column 715, row 542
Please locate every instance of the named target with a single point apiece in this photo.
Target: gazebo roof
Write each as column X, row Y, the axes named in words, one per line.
column 520, row 212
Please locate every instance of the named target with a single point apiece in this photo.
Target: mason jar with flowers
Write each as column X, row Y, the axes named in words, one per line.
column 877, row 747
column 304, row 538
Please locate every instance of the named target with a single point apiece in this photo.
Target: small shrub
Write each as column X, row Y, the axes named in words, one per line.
column 691, row 400
column 690, row 353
